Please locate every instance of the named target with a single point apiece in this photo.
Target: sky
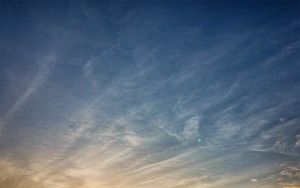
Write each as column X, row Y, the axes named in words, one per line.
column 151, row 94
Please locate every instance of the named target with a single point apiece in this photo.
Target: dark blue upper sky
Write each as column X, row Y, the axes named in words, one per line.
column 150, row 94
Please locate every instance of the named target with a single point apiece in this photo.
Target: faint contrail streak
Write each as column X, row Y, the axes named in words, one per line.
column 38, row 81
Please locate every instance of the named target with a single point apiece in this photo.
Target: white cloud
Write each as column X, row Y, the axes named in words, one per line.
column 191, row 127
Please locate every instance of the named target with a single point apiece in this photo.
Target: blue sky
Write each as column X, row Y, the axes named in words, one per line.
column 151, row 94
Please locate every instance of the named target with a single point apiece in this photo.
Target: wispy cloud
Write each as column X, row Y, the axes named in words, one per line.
column 45, row 67
column 159, row 95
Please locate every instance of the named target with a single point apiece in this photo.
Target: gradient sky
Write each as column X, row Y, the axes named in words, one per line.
column 150, row 94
